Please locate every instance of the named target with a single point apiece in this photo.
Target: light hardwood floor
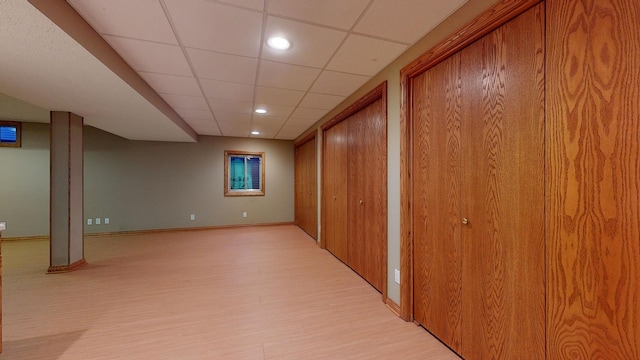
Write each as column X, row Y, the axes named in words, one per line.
column 243, row 293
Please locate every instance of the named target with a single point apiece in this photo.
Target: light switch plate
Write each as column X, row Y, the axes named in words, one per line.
column 397, row 276
column 3, row 225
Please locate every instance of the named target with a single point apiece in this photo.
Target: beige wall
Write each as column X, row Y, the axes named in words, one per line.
column 144, row 185
column 391, row 74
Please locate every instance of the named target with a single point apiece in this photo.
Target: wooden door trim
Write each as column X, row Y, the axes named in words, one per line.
column 306, row 139
column 494, row 17
column 377, row 93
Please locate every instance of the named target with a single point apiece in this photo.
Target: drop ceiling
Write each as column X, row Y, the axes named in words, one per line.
column 208, row 60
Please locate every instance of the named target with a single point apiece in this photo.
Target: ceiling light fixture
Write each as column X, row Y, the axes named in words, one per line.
column 278, row 43
column 261, row 111
column 255, row 133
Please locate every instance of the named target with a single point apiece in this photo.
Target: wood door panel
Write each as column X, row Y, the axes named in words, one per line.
column 335, row 191
column 305, row 175
column 503, row 192
column 374, row 158
column 356, row 174
column 593, row 179
column 356, row 156
column 340, row 183
column 480, row 155
column 436, row 183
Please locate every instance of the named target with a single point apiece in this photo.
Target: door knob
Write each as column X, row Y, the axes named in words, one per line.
column 361, row 202
column 334, row 197
column 465, row 221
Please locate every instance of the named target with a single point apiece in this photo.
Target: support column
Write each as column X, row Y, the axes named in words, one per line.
column 67, row 191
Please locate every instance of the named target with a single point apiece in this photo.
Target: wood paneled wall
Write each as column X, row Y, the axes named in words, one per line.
column 306, row 185
column 593, row 179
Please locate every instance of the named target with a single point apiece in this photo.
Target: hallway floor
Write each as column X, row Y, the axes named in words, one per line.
column 238, row 293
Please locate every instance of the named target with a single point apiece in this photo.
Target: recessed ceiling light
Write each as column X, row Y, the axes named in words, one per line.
column 261, row 111
column 255, row 133
column 278, row 43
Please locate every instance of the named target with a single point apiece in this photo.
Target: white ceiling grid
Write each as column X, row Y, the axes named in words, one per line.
column 209, row 61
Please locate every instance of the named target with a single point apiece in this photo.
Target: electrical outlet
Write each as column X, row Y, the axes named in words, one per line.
column 397, row 276
column 3, row 225
column 98, row 221
column 106, row 221
column 192, row 217
column 244, row 214
column 89, row 221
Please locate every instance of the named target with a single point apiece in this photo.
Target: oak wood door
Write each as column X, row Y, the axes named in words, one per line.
column 334, row 193
column 436, row 165
column 306, row 213
column 367, row 192
column 478, row 178
column 503, row 192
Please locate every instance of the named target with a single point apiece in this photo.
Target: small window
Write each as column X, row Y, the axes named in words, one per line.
column 10, row 134
column 243, row 173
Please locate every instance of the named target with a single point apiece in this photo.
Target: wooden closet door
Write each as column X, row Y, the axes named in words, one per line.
column 309, row 188
column 356, row 180
column 367, row 192
column 312, row 176
column 334, row 190
column 436, row 186
column 503, row 192
column 305, row 187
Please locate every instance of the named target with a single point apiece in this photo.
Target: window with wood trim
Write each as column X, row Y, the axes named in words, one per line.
column 243, row 173
column 10, row 134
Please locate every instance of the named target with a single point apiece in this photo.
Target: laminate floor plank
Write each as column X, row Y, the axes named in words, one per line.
column 240, row 293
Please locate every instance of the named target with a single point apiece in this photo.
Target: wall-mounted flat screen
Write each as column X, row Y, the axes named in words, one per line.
column 10, row 134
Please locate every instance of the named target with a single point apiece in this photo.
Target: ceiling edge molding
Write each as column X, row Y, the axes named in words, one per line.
column 67, row 19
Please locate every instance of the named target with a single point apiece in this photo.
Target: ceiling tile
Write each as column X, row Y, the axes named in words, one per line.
column 364, row 55
column 290, row 132
column 227, row 90
column 266, row 95
column 151, row 57
column 335, row 83
column 216, row 66
column 213, row 26
column 304, row 40
column 231, row 106
column 233, row 117
column 309, row 114
column 321, row 101
column 273, row 110
column 285, row 76
column 269, row 121
column 234, row 128
column 186, row 102
column 406, row 23
column 171, row 84
column 306, row 123
column 252, row 4
column 140, row 19
column 204, row 127
column 194, row 114
column 336, row 13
